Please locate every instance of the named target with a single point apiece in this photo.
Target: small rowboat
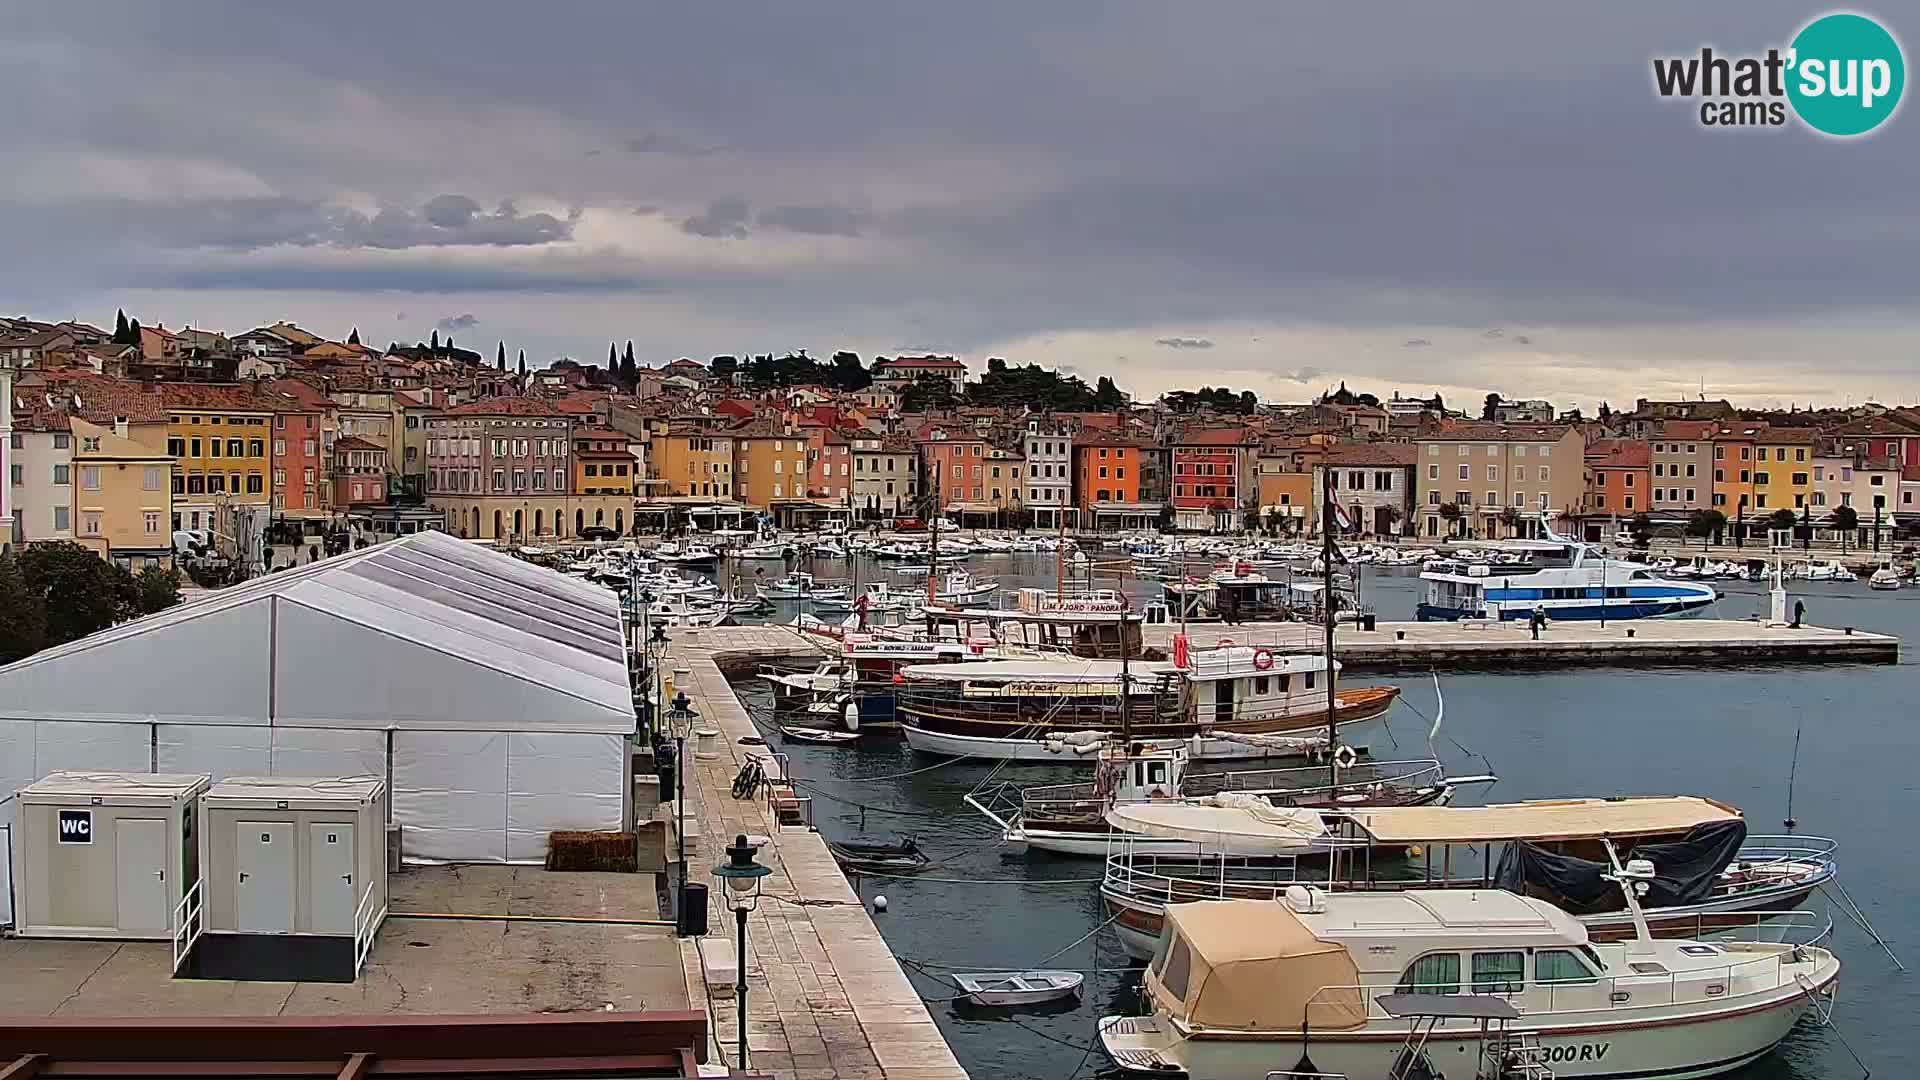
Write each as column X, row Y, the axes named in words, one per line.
column 818, row 735
column 901, row 856
column 1018, row 987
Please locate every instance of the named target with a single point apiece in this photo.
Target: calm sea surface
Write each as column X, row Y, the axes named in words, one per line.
column 1726, row 733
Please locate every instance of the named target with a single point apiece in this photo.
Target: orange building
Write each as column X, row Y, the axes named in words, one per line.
column 1619, row 478
column 1106, row 481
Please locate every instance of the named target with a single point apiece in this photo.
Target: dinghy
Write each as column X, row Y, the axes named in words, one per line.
column 897, row 856
column 1018, row 987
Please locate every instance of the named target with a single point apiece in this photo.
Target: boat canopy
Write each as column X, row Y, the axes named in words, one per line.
column 1545, row 820
column 1226, row 817
column 1252, row 965
column 1065, row 669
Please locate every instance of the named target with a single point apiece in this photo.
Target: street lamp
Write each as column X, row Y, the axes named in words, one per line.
column 741, row 875
column 644, row 598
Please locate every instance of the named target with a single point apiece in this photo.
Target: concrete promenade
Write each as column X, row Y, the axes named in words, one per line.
column 826, row 1000
column 1635, row 643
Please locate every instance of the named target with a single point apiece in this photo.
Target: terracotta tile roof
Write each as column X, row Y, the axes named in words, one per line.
column 1619, row 454
column 355, row 442
column 508, row 406
column 1482, row 431
column 1231, row 436
column 1789, row 435
column 598, row 433
column 1687, row 429
column 233, row 396
column 1894, row 423
column 104, row 399
column 1377, row 454
column 944, row 362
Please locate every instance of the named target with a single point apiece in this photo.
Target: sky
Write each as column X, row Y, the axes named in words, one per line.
column 1406, row 197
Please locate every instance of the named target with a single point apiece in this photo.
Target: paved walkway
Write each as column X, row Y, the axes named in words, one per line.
column 825, row 998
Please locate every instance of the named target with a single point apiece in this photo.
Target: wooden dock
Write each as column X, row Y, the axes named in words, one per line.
column 1417, row 646
column 825, row 995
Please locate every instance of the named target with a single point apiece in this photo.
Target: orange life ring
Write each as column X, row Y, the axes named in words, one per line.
column 1262, row 659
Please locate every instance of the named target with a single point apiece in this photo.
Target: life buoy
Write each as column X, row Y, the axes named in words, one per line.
column 1226, row 643
column 1345, row 757
column 1262, row 659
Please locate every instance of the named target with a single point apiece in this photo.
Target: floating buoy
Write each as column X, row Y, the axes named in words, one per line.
column 1414, row 851
column 880, row 903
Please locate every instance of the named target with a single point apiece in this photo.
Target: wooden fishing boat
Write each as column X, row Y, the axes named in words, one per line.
column 901, row 856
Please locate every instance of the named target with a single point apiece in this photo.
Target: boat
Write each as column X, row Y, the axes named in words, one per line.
column 798, row 689
column 798, row 584
column 1410, row 984
column 695, row 556
column 894, row 856
column 1589, row 587
column 826, row 549
column 1018, row 987
column 824, row 736
column 767, row 550
column 1884, row 578
column 1228, row 700
column 1071, row 819
column 1552, row 848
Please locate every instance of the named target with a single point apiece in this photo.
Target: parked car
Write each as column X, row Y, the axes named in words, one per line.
column 598, row 532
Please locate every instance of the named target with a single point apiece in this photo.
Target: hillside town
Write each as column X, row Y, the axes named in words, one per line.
column 144, row 442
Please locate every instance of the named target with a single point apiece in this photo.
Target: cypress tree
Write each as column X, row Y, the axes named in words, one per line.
column 120, row 326
column 354, row 338
column 523, row 363
column 500, row 358
column 435, row 341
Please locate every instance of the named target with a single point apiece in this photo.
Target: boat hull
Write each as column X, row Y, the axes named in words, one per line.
column 947, row 744
column 1640, row 1043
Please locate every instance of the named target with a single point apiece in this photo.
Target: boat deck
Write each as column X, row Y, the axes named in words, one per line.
column 1635, row 643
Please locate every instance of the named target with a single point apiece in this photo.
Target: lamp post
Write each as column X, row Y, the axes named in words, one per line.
column 742, row 875
column 644, row 597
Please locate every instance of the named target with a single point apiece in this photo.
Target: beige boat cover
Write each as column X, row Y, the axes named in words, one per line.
column 1554, row 819
column 1229, row 817
column 1254, row 966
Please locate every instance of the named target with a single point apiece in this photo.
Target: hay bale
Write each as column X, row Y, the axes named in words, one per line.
column 617, row 852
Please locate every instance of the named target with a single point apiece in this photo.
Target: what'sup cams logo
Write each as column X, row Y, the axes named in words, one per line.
column 1842, row 76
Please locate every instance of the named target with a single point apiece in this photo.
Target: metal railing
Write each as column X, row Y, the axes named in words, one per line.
column 366, row 922
column 1602, row 995
column 189, row 921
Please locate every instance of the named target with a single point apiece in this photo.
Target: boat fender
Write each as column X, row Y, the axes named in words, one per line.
column 1345, row 757
column 1262, row 659
column 851, row 716
column 879, row 903
column 1226, row 643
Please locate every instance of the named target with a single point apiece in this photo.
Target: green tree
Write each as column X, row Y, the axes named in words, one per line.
column 523, row 363
column 500, row 356
column 80, row 592
column 1846, row 519
column 1781, row 519
column 1510, row 517
column 354, row 337
column 23, row 614
column 1106, row 396
column 847, row 373
column 120, row 326
column 133, row 332
column 1491, row 408
column 1705, row 524
column 1642, row 529
column 1450, row 513
column 1393, row 515
column 629, row 369
column 929, row 391
column 159, row 589
column 613, row 359
column 723, row 367
column 433, row 342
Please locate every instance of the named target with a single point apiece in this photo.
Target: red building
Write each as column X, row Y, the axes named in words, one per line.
column 1894, row 434
column 302, row 464
column 829, row 464
column 1212, row 472
column 359, row 473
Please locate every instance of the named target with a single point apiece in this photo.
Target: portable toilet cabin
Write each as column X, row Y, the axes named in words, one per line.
column 296, row 877
column 106, row 854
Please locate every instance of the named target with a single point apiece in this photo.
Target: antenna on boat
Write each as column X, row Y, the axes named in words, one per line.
column 1059, row 558
column 1632, row 879
column 933, row 550
column 1793, row 771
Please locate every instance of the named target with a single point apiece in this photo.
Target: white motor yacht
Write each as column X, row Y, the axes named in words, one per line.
column 1347, row 983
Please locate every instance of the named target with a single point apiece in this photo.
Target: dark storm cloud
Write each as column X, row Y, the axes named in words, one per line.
column 1154, row 165
column 723, row 219
column 1184, row 343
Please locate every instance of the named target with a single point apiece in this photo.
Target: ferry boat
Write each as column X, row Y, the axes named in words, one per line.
column 1713, row 871
column 1225, row 702
column 1409, row 984
column 1589, row 587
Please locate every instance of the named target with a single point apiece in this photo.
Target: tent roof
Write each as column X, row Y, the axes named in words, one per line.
column 1556, row 819
column 426, row 596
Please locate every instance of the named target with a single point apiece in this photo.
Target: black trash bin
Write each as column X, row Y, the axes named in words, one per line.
column 665, row 766
column 1368, row 621
column 693, row 910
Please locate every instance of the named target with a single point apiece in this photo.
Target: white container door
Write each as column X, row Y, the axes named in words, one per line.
column 265, row 891
column 330, row 875
column 140, row 875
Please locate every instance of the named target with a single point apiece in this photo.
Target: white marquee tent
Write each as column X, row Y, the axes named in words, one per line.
column 492, row 695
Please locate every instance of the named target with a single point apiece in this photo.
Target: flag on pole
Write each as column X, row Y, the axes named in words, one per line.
column 1344, row 519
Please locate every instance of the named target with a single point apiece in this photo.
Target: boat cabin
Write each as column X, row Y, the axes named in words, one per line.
column 1093, row 634
column 1242, row 682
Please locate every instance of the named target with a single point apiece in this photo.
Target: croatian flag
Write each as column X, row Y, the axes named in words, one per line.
column 1342, row 518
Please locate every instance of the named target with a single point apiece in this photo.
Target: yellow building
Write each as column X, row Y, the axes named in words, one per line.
column 694, row 461
column 769, row 465
column 122, row 497
column 1758, row 469
column 219, row 437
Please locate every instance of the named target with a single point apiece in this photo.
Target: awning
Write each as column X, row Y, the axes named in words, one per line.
column 1561, row 819
column 1253, row 965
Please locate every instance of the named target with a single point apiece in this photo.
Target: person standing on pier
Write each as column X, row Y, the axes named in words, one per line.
column 1799, row 612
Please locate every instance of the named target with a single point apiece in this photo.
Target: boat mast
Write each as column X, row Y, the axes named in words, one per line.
column 1327, row 549
column 933, row 549
column 1060, row 559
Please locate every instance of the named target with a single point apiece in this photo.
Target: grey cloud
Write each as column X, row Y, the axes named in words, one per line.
column 655, row 143
column 1522, row 339
column 454, row 211
column 1416, row 343
column 458, row 322
column 1302, row 375
column 815, row 220
column 723, row 219
column 250, row 223
column 1493, row 333
column 1184, row 342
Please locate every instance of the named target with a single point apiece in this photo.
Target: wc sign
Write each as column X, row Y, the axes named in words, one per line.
column 76, row 827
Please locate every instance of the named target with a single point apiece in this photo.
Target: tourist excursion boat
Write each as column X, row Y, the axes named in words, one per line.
column 1415, row 984
column 1590, row 587
column 1712, row 872
column 1229, row 701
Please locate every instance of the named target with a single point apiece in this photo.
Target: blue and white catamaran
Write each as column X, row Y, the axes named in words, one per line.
column 1590, row 586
